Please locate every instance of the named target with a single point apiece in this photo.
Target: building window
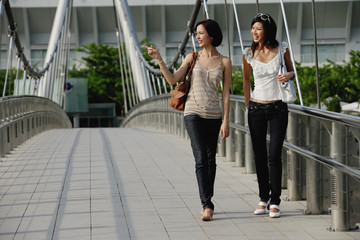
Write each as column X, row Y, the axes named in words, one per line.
column 72, row 59
column 332, row 52
column 170, row 54
column 38, row 58
column 237, row 58
column 172, row 51
column 3, row 59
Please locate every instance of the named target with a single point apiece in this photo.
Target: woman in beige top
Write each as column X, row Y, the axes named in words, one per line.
column 203, row 117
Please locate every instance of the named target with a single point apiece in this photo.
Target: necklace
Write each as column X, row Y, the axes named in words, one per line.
column 208, row 62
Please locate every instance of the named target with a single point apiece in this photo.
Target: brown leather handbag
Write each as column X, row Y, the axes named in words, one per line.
column 180, row 92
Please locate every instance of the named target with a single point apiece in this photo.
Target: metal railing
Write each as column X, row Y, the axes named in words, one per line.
column 25, row 116
column 320, row 156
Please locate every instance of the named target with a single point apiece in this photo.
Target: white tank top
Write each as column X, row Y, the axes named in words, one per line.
column 265, row 83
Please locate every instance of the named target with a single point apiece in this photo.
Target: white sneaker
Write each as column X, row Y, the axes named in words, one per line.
column 274, row 214
column 260, row 211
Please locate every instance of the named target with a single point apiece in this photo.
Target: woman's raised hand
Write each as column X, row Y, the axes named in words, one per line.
column 153, row 52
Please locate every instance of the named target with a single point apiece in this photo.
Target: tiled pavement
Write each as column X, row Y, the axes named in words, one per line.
column 118, row 183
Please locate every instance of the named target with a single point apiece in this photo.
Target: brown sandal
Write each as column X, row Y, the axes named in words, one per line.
column 207, row 214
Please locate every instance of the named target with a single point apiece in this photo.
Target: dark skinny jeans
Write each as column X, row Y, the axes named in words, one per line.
column 268, row 165
column 203, row 135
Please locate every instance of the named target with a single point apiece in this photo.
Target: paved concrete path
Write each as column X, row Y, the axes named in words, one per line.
column 133, row 184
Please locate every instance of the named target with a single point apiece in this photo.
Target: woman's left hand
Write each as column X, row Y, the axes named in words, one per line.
column 284, row 77
column 224, row 130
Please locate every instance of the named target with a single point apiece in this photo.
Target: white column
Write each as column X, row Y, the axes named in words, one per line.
column 144, row 20
column 299, row 25
column 95, row 26
column 142, row 83
column 231, row 30
column 348, row 21
column 75, row 25
column 27, row 43
column 44, row 85
column 163, row 30
column 280, row 26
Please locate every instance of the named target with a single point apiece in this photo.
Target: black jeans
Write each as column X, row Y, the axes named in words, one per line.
column 268, row 165
column 204, row 134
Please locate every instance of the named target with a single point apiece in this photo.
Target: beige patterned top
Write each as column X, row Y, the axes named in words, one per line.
column 203, row 98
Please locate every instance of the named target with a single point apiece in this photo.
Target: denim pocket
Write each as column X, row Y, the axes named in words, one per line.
column 252, row 107
column 283, row 107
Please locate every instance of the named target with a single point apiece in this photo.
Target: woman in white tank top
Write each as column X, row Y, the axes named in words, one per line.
column 265, row 108
column 203, row 117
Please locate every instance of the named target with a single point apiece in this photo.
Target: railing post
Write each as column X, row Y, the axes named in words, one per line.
column 230, row 145
column 239, row 137
column 294, row 170
column 249, row 153
column 314, row 193
column 352, row 146
column 339, row 181
column 221, row 148
column 182, row 126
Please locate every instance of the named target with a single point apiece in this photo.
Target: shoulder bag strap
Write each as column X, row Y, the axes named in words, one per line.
column 192, row 64
column 282, row 65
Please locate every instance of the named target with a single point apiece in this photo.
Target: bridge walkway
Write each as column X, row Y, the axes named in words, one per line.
column 123, row 183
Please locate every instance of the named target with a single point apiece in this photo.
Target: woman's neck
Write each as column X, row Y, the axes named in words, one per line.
column 263, row 47
column 209, row 52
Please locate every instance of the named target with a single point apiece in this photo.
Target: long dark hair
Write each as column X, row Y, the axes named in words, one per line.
column 269, row 31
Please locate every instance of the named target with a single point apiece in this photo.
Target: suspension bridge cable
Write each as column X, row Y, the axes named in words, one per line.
column 291, row 51
column 124, row 64
column 9, row 61
column 238, row 26
column 121, row 70
column 206, row 9
column 316, row 56
column 120, row 58
column 182, row 46
column 17, row 74
column 126, row 70
column 57, row 56
column 12, row 28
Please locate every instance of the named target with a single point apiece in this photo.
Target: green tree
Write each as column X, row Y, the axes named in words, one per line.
column 340, row 81
column 10, row 82
column 103, row 73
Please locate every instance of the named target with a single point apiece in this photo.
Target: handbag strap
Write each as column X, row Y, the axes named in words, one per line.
column 282, row 68
column 191, row 67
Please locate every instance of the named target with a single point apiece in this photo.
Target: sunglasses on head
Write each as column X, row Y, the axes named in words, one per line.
column 263, row 16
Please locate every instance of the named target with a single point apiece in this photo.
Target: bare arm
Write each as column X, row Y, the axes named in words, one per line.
column 170, row 77
column 246, row 81
column 284, row 77
column 224, row 130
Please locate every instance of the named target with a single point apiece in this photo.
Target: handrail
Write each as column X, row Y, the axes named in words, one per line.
column 291, row 51
column 350, row 121
column 22, row 117
column 9, row 111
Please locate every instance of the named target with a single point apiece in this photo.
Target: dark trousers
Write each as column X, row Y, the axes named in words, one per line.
column 203, row 135
column 268, row 163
